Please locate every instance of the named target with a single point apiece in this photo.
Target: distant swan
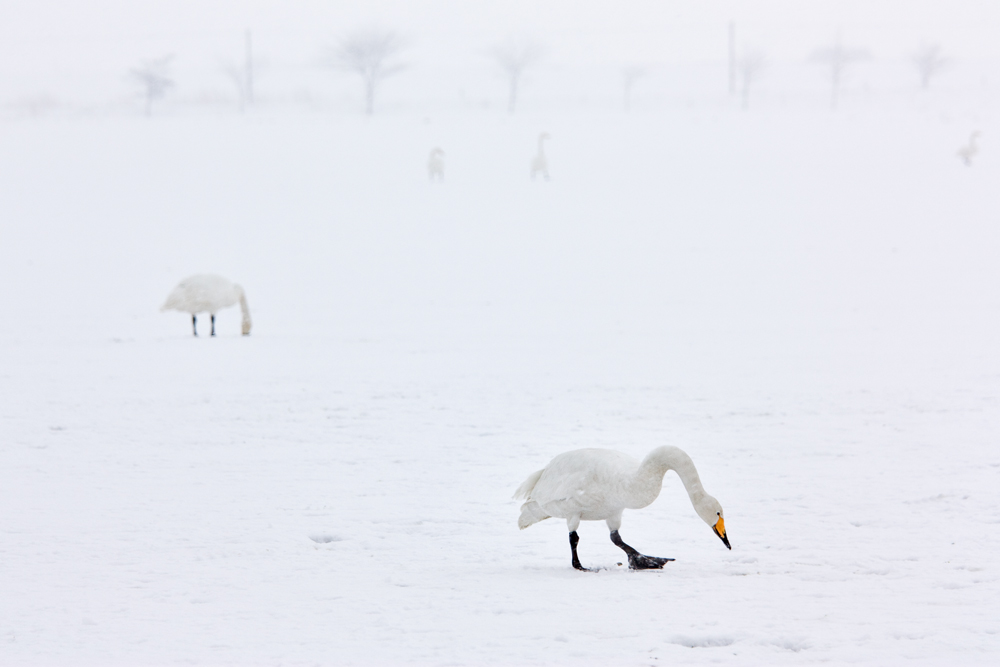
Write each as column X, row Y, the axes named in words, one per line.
column 207, row 293
column 540, row 165
column 969, row 151
column 435, row 165
column 599, row 484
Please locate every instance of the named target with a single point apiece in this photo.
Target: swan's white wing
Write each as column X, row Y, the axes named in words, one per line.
column 551, row 488
column 202, row 293
column 583, row 481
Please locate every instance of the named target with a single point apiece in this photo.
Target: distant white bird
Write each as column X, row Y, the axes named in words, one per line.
column 207, row 293
column 540, row 165
column 969, row 151
column 600, row 484
column 435, row 165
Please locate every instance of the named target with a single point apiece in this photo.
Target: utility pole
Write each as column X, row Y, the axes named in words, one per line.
column 249, row 70
column 732, row 57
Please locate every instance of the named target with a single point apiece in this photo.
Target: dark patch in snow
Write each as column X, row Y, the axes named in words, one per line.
column 702, row 642
column 931, row 499
column 325, row 539
column 794, row 645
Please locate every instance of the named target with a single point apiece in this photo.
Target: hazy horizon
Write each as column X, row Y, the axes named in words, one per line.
column 80, row 54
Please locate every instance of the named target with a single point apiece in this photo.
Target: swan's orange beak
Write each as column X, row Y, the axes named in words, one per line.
column 720, row 530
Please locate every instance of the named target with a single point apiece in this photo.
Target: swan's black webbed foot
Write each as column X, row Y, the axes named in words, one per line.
column 213, row 325
column 637, row 561
column 640, row 562
column 574, row 539
column 194, row 324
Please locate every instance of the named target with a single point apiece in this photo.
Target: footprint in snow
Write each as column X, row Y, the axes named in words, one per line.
column 702, row 642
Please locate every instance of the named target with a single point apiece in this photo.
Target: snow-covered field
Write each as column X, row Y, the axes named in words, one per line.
column 807, row 302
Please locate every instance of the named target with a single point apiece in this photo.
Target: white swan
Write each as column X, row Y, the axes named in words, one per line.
column 969, row 151
column 435, row 165
column 540, row 165
column 599, row 484
column 206, row 293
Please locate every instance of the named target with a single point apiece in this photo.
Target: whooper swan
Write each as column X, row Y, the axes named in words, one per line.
column 969, row 151
column 599, row 484
column 435, row 165
column 540, row 165
column 207, row 293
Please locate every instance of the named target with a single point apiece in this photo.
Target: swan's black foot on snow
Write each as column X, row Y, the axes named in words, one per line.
column 574, row 539
column 636, row 561
column 640, row 562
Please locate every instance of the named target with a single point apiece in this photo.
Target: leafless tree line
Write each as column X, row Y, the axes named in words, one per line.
column 374, row 54
column 837, row 59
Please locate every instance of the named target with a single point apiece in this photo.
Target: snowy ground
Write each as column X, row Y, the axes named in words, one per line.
column 806, row 302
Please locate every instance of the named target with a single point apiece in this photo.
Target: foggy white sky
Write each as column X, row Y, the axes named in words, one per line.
column 50, row 44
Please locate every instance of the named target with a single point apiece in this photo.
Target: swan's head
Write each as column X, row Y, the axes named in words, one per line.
column 438, row 152
column 244, row 308
column 711, row 513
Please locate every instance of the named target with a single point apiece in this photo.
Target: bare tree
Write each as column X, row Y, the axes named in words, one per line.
column 929, row 60
column 369, row 53
column 514, row 56
column 838, row 59
column 749, row 68
column 242, row 76
column 630, row 75
column 248, row 67
column 238, row 76
column 153, row 77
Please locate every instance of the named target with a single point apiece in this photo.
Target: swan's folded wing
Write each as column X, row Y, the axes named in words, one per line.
column 552, row 488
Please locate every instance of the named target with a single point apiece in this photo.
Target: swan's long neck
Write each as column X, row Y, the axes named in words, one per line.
column 541, row 146
column 246, row 311
column 648, row 478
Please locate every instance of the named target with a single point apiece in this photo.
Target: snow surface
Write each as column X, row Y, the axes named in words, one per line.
column 806, row 302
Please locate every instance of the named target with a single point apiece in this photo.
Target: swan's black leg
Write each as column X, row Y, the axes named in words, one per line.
column 636, row 561
column 194, row 324
column 213, row 325
column 574, row 539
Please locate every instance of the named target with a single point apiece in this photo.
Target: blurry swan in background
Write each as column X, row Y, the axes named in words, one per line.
column 969, row 151
column 540, row 165
column 207, row 293
column 435, row 165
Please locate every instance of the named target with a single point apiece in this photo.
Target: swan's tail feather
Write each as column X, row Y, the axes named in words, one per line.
column 174, row 300
column 524, row 490
column 530, row 513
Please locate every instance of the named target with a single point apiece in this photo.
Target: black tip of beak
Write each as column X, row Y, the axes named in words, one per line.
column 725, row 540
